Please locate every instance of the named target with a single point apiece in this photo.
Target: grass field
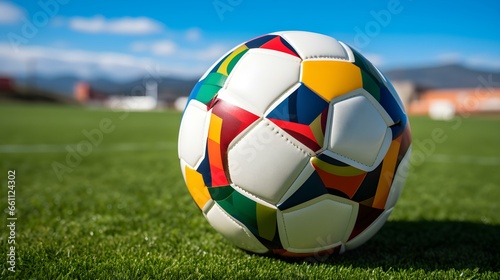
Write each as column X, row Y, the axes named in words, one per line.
column 117, row 208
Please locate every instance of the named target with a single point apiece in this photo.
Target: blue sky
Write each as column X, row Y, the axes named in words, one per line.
column 121, row 39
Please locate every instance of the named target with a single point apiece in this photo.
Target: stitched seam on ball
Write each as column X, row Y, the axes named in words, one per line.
column 273, row 129
column 277, row 131
column 284, row 228
column 354, row 159
column 326, row 56
column 231, row 147
column 240, row 189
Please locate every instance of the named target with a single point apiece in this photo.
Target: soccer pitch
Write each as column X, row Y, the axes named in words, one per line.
column 100, row 195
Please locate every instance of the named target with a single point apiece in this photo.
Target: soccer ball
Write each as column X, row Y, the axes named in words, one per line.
column 294, row 144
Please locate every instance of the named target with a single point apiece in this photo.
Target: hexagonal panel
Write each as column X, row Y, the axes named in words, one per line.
column 266, row 161
column 359, row 134
column 318, row 224
column 259, row 78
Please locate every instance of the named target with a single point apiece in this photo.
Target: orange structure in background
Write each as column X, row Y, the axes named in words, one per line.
column 82, row 92
column 461, row 100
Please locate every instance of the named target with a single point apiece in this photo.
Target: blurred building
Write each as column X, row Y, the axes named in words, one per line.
column 85, row 94
column 180, row 103
column 459, row 101
column 446, row 103
column 11, row 91
column 406, row 90
column 82, row 92
column 6, row 84
column 146, row 102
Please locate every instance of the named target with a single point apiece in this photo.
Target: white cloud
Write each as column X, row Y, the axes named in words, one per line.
column 449, row 57
column 59, row 60
column 58, row 21
column 193, row 34
column 170, row 49
column 139, row 47
column 10, row 13
column 160, row 48
column 483, row 61
column 56, row 61
column 61, row 44
column 164, row 47
column 125, row 25
column 211, row 53
column 473, row 60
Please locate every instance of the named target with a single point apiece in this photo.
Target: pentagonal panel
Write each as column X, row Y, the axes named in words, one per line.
column 193, row 132
column 330, row 79
column 266, row 161
column 233, row 230
column 359, row 134
column 260, row 77
column 314, row 45
column 319, row 224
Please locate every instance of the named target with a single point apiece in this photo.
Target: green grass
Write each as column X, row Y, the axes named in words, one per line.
column 123, row 212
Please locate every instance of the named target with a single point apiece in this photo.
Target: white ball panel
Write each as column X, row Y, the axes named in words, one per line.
column 369, row 232
column 399, row 180
column 313, row 45
column 358, row 135
column 193, row 132
column 319, row 224
column 261, row 76
column 275, row 161
column 233, row 230
column 235, row 99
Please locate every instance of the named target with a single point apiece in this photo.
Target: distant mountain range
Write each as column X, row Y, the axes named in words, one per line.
column 445, row 76
column 169, row 88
